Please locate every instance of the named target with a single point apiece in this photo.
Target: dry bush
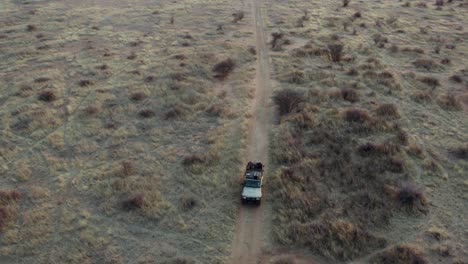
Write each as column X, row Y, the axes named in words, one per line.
column 421, row 96
column 288, row 99
column 9, row 196
column 427, row 64
column 217, row 109
column 193, row 159
column 128, row 168
column 91, row 110
column 223, row 68
column 430, row 81
column 84, row 83
column 135, row 201
column 47, row 96
column 411, row 197
column 31, row 28
column 456, row 79
column 6, row 216
column 277, row 41
column 138, row 96
column 350, row 95
column 188, row 202
column 388, row 110
column 346, row 3
column 439, row 3
column 450, row 102
column 149, row 79
column 335, row 51
column 41, row 80
column 356, row 115
column 460, row 152
column 401, row 254
column 146, row 113
column 174, row 112
column 238, row 16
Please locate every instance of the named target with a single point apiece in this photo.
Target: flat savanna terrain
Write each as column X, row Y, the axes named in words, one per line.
column 125, row 126
column 120, row 142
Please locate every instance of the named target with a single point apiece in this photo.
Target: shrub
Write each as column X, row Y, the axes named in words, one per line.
column 9, row 196
column 127, row 168
column 287, row 99
column 84, row 83
column 335, row 51
column 410, row 196
column 456, row 79
column 430, row 81
column 41, row 80
column 390, row 110
column 350, row 95
column 192, row 159
column 188, row 202
column 238, row 16
column 91, row 110
column 46, row 96
column 427, row 64
column 460, row 152
column 5, row 217
column 223, row 68
column 174, row 112
column 346, row 3
column 146, row 113
column 449, row 102
column 356, row 115
column 277, row 41
column 439, row 3
column 401, row 254
column 135, row 201
column 138, row 96
column 149, row 79
column 31, row 28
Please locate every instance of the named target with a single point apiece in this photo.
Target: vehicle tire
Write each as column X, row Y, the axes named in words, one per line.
column 259, row 202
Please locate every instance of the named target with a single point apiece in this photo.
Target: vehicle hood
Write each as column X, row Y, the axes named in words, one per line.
column 252, row 192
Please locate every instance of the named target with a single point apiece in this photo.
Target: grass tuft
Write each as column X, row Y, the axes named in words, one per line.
column 356, row 115
column 135, row 201
column 410, row 196
column 335, row 51
column 388, row 110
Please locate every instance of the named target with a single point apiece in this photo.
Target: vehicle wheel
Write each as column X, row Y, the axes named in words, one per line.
column 259, row 202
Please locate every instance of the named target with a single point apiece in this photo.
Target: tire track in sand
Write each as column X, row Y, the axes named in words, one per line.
column 248, row 240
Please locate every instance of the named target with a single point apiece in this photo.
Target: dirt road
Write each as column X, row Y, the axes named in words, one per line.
column 248, row 240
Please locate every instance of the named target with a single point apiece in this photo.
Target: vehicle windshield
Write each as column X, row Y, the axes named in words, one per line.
column 252, row 184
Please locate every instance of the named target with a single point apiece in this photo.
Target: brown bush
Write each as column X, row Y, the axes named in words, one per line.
column 276, row 40
column 346, row 3
column 238, row 16
column 149, row 79
column 456, row 78
column 450, row 102
column 356, row 115
column 427, row 64
column 439, row 3
column 410, row 196
column 335, row 51
column 460, row 152
column 192, row 159
column 223, row 68
column 401, row 254
column 389, row 110
column 146, row 113
column 41, row 80
column 91, row 110
column 350, row 95
column 138, row 96
column 135, row 201
column 175, row 111
column 84, row 83
column 128, row 168
column 430, row 81
column 47, row 96
column 287, row 99
column 188, row 202
column 9, row 196
column 31, row 28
